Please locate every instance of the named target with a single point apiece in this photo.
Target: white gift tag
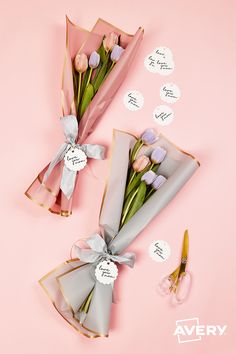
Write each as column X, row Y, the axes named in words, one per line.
column 159, row 251
column 75, row 159
column 156, row 63
column 106, row 272
column 165, row 52
column 133, row 100
column 163, row 115
column 170, row 93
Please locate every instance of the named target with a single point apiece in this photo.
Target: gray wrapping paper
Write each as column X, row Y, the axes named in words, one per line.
column 70, row 284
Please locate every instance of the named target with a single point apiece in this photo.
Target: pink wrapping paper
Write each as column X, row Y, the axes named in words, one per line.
column 49, row 194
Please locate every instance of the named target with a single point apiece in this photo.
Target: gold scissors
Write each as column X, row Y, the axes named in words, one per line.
column 178, row 283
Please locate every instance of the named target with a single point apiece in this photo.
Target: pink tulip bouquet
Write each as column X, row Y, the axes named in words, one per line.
column 145, row 174
column 96, row 63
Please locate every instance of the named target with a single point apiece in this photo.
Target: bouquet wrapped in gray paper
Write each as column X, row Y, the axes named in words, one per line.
column 73, row 287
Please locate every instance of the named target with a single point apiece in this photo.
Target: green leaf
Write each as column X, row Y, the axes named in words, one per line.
column 137, row 202
column 136, row 180
column 103, row 55
column 100, row 77
column 86, row 99
column 127, row 204
column 135, row 150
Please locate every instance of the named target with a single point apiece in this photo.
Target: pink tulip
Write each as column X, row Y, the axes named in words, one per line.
column 140, row 163
column 81, row 62
column 110, row 41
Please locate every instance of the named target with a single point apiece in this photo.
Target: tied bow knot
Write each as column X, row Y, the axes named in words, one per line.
column 68, row 178
column 99, row 250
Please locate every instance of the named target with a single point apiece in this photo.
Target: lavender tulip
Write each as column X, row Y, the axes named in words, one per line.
column 149, row 177
column 116, row 53
column 94, row 60
column 149, row 137
column 158, row 155
column 158, row 182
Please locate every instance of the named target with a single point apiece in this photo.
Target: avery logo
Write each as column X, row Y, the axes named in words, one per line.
column 190, row 330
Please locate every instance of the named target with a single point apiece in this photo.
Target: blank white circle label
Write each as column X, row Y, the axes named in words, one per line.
column 159, row 251
column 75, row 159
column 163, row 115
column 106, row 272
column 170, row 93
column 133, row 100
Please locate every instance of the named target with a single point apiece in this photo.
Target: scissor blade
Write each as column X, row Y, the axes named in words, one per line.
column 184, row 256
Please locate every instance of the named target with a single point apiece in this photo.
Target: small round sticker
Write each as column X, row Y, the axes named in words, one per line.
column 106, row 272
column 165, row 52
column 159, row 251
column 163, row 115
column 156, row 63
column 133, row 100
column 170, row 93
column 75, row 159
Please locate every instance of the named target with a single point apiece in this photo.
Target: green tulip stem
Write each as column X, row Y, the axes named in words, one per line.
column 149, row 193
column 79, row 91
column 89, row 77
column 132, row 176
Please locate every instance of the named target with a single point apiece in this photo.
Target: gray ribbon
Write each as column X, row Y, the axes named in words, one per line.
column 99, row 250
column 68, row 178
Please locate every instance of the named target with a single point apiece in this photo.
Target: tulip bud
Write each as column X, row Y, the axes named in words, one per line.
column 158, row 182
column 94, row 60
column 140, row 163
column 110, row 41
column 149, row 137
column 158, row 155
column 81, row 62
column 149, row 177
column 116, row 53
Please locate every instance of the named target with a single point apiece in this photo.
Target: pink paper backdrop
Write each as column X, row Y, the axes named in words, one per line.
column 202, row 37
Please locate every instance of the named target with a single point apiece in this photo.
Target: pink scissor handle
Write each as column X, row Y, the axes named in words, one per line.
column 183, row 288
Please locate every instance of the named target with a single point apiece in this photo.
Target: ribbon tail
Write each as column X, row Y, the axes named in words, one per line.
column 59, row 156
column 68, row 179
column 94, row 151
column 126, row 258
column 98, row 317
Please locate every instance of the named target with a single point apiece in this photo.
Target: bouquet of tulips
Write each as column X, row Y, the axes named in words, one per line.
column 146, row 173
column 89, row 74
column 95, row 66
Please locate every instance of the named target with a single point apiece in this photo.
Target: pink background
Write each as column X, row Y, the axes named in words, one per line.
column 33, row 241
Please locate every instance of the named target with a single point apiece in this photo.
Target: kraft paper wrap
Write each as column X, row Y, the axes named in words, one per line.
column 70, row 283
column 49, row 194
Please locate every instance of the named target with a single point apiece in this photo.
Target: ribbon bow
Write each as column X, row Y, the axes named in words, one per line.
column 99, row 250
column 68, row 178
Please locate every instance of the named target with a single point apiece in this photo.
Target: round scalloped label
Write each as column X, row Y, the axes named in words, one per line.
column 159, row 251
column 133, row 100
column 75, row 159
column 159, row 64
column 163, row 115
column 170, row 93
column 106, row 272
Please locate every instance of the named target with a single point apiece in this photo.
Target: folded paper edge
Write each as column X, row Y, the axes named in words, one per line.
column 93, row 334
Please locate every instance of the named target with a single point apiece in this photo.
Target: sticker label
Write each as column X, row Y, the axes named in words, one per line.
column 165, row 52
column 75, row 159
column 159, row 251
column 163, row 115
column 170, row 93
column 157, row 63
column 106, row 272
column 133, row 100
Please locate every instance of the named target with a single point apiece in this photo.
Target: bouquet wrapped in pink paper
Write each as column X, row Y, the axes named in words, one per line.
column 95, row 66
column 145, row 175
